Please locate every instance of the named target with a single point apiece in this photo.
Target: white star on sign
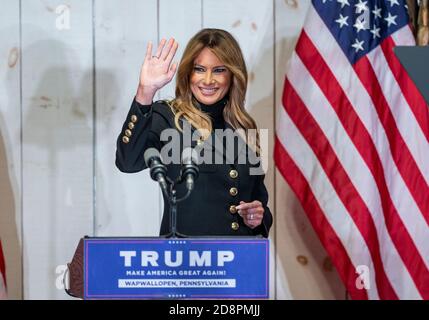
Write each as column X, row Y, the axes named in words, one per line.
column 359, row 25
column 377, row 12
column 358, row 45
column 361, row 6
column 390, row 19
column 342, row 21
column 392, row 2
column 375, row 32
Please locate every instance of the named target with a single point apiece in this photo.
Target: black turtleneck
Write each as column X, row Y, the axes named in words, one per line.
column 215, row 111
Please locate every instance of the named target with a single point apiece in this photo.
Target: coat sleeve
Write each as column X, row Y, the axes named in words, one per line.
column 260, row 193
column 141, row 130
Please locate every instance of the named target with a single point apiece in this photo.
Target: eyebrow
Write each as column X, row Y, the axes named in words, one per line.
column 199, row 65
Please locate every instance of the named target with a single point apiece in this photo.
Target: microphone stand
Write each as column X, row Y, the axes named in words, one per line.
column 173, row 214
column 173, row 201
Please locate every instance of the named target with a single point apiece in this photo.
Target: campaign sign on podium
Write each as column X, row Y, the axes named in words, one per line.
column 157, row 268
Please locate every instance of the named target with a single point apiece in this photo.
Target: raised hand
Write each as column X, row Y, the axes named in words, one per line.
column 157, row 70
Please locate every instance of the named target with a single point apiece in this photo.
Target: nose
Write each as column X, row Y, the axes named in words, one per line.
column 208, row 78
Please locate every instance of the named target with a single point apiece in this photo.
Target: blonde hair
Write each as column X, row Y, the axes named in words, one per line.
column 226, row 48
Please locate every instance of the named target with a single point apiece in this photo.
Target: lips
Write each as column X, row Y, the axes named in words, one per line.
column 208, row 91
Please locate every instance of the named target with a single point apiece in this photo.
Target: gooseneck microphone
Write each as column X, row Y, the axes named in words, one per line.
column 158, row 170
column 189, row 171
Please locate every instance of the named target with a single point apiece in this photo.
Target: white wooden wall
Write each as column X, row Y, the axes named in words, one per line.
column 64, row 94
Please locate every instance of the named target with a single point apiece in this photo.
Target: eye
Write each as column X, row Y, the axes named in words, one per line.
column 198, row 69
column 219, row 70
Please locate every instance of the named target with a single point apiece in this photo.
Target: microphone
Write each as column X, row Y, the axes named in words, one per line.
column 189, row 171
column 158, row 170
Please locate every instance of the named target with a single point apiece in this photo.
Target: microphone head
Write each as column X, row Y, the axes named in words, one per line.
column 189, row 156
column 190, row 169
column 151, row 154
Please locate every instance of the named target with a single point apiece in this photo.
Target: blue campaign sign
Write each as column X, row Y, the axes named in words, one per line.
column 154, row 268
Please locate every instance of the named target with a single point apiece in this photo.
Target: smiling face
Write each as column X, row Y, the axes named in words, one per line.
column 210, row 79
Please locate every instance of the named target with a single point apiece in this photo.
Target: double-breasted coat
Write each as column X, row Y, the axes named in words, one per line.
column 210, row 209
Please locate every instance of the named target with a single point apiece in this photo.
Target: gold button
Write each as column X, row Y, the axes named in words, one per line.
column 233, row 174
column 235, row 226
column 233, row 209
column 233, row 191
column 125, row 139
column 134, row 118
column 131, row 126
column 128, row 133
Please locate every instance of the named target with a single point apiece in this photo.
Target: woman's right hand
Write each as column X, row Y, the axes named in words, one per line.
column 157, row 70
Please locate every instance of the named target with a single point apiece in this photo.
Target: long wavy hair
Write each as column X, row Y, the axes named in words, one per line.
column 227, row 49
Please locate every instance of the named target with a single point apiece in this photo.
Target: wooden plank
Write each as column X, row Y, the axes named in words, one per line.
column 125, row 203
column 303, row 269
column 57, row 138
column 10, row 146
column 251, row 23
column 181, row 20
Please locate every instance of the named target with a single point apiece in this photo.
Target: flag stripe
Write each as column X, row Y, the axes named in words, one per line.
column 404, row 37
column 324, row 230
column 345, row 189
column 415, row 101
column 350, row 158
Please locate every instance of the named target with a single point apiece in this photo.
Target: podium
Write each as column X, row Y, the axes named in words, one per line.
column 170, row 268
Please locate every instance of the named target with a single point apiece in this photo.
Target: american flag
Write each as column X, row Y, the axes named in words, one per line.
column 352, row 142
column 3, row 294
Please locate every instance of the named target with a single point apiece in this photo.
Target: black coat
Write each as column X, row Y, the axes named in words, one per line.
column 209, row 211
